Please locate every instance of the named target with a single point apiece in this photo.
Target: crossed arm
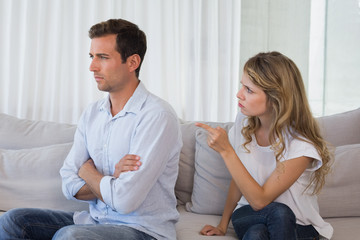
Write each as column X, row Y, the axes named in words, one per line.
column 244, row 184
column 92, row 176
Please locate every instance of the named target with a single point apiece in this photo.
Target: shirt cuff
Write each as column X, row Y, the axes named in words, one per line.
column 105, row 190
column 75, row 188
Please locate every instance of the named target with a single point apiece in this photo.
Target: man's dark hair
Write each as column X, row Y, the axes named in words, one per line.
column 129, row 40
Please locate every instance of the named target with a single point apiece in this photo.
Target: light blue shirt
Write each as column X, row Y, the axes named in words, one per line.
column 142, row 199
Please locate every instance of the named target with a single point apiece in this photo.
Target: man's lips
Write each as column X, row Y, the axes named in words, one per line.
column 98, row 78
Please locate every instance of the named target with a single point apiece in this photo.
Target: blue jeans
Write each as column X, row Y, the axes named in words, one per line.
column 30, row 223
column 275, row 221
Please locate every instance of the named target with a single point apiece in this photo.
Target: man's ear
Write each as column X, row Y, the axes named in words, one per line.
column 133, row 62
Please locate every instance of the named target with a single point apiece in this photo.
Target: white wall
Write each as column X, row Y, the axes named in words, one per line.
column 342, row 56
column 276, row 25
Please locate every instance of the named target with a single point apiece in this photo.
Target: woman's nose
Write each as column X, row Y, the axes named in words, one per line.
column 240, row 94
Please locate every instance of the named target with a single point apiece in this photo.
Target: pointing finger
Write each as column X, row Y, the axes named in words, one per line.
column 204, row 126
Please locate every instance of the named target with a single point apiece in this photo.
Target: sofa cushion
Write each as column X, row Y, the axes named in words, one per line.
column 211, row 179
column 342, row 128
column 189, row 225
column 18, row 133
column 341, row 193
column 184, row 183
column 30, row 178
column 345, row 228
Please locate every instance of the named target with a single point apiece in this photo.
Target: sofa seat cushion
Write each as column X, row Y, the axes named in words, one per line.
column 345, row 228
column 189, row 226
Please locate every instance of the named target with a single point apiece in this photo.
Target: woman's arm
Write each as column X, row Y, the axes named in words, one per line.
column 281, row 179
column 233, row 197
column 285, row 174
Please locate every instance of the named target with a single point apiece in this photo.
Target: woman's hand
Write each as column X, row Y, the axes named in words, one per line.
column 128, row 163
column 209, row 230
column 217, row 138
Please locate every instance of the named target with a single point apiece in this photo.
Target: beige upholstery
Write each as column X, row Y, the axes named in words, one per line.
column 339, row 197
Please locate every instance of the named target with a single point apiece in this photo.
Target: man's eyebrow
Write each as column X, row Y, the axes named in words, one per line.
column 99, row 54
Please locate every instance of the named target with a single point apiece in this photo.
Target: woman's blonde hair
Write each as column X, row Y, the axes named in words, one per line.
column 280, row 79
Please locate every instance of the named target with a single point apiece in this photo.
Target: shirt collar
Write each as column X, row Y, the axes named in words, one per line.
column 133, row 105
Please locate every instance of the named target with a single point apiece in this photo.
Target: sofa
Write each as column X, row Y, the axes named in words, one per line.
column 32, row 152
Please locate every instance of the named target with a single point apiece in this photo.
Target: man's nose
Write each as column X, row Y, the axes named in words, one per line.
column 93, row 66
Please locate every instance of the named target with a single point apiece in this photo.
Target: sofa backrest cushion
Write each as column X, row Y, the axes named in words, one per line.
column 341, row 193
column 30, row 178
column 185, row 180
column 342, row 128
column 18, row 133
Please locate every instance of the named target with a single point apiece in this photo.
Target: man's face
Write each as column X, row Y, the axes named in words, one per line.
column 110, row 73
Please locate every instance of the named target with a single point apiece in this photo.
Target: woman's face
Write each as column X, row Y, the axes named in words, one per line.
column 252, row 99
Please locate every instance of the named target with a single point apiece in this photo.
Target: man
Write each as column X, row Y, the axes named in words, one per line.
column 124, row 160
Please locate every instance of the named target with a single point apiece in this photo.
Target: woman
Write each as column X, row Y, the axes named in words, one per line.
column 277, row 158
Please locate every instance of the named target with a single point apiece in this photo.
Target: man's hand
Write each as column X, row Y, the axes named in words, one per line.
column 209, row 230
column 217, row 138
column 128, row 163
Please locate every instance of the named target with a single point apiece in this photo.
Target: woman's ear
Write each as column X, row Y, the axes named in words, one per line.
column 133, row 62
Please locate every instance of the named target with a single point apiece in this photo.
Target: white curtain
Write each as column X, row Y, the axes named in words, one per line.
column 196, row 50
column 192, row 60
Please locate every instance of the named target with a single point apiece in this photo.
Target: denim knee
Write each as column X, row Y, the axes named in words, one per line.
column 277, row 217
column 257, row 232
column 99, row 232
column 11, row 223
column 68, row 232
column 282, row 212
column 281, row 222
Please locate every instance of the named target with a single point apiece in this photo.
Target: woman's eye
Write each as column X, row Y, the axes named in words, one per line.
column 249, row 90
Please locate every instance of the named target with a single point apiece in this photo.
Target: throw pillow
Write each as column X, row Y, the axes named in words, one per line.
column 211, row 179
column 30, row 178
column 341, row 193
